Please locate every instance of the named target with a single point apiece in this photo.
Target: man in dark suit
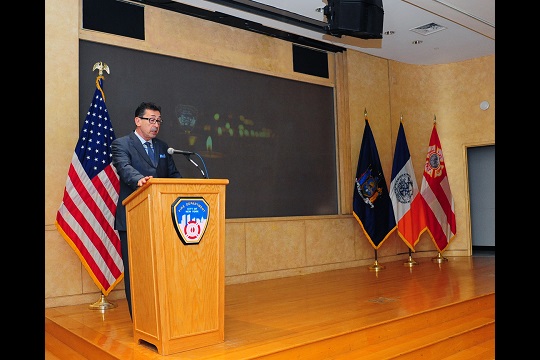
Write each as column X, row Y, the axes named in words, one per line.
column 138, row 157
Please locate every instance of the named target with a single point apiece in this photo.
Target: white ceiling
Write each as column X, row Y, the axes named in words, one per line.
column 469, row 33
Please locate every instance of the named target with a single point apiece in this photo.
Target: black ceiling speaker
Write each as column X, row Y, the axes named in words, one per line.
column 358, row 18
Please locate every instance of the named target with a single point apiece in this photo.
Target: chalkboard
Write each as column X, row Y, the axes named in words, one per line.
column 272, row 138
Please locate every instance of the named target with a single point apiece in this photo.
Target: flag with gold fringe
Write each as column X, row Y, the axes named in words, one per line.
column 86, row 216
column 406, row 199
column 440, row 215
column 372, row 206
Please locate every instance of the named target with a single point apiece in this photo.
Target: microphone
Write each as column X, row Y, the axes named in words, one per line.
column 187, row 153
column 173, row 151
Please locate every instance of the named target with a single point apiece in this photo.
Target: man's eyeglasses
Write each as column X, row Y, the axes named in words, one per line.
column 152, row 120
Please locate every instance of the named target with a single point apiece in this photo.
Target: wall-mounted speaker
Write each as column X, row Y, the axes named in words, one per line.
column 310, row 61
column 114, row 17
column 357, row 18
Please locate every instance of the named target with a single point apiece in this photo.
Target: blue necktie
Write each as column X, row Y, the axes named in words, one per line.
column 150, row 152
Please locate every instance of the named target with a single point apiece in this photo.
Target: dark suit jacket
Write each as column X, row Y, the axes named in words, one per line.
column 132, row 164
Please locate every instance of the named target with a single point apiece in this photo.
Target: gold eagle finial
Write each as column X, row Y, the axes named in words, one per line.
column 101, row 66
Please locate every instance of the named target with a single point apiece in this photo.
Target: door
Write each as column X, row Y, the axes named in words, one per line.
column 481, row 166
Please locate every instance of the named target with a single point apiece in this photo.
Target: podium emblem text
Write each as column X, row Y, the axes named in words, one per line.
column 190, row 217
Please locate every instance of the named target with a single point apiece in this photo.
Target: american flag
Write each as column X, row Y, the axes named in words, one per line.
column 86, row 216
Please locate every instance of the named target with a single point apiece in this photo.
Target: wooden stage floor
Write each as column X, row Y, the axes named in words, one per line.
column 433, row 310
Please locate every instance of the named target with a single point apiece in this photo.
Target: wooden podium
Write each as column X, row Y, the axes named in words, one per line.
column 177, row 288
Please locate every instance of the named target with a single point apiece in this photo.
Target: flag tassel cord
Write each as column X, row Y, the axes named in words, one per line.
column 376, row 266
column 102, row 304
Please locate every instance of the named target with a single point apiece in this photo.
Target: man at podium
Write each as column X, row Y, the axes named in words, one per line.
column 138, row 157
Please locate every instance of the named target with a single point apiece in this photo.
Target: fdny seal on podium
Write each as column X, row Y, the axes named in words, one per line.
column 190, row 217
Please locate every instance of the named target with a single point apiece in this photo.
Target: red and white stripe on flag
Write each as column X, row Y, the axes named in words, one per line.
column 85, row 218
column 440, row 214
column 406, row 199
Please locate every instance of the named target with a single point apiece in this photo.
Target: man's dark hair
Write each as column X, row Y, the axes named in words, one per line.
column 141, row 109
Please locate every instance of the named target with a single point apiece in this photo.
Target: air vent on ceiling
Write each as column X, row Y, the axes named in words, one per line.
column 428, row 29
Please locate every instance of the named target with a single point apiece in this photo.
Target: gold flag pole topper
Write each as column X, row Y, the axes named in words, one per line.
column 102, row 303
column 100, row 65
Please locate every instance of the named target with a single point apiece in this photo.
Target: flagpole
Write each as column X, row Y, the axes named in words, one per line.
column 435, row 142
column 376, row 266
column 102, row 304
column 411, row 261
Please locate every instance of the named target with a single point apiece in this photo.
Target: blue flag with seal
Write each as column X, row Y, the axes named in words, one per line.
column 372, row 206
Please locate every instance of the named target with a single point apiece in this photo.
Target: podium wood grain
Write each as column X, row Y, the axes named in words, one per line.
column 177, row 289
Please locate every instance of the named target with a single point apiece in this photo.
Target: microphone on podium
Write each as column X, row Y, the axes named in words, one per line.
column 172, row 151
